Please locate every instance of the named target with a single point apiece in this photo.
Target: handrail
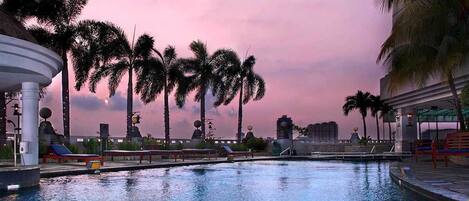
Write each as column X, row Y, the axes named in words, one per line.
column 287, row 149
column 373, row 149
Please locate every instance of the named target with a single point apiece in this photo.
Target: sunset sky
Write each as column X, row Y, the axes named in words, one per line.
column 311, row 53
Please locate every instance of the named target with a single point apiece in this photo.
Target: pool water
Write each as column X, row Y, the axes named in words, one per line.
column 260, row 180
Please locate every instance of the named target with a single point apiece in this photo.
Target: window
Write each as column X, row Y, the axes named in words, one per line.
column 79, row 139
column 120, row 140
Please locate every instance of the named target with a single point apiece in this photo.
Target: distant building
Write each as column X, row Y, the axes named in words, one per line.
column 326, row 132
column 284, row 127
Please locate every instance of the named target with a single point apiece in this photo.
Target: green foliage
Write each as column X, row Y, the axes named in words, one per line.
column 364, row 141
column 208, row 144
column 91, row 146
column 6, row 152
column 465, row 95
column 177, row 146
column 128, row 145
column 73, row 148
column 43, row 148
column 257, row 144
column 238, row 147
column 303, row 131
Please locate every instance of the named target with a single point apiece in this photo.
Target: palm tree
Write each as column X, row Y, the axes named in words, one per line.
column 386, row 109
column 126, row 58
column 376, row 107
column 429, row 37
column 160, row 75
column 248, row 83
column 58, row 30
column 360, row 101
column 204, row 72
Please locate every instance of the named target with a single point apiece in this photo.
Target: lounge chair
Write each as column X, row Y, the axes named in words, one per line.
column 230, row 152
column 61, row 153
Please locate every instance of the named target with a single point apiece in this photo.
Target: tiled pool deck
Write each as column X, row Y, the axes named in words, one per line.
column 441, row 183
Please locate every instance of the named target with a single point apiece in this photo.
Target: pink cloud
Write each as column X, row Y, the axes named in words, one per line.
column 311, row 53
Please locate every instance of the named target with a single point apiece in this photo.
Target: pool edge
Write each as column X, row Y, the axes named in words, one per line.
column 426, row 190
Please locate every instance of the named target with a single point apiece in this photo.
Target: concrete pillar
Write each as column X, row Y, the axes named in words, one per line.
column 406, row 129
column 30, row 107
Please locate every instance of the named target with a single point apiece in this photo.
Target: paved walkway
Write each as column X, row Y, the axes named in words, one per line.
column 441, row 183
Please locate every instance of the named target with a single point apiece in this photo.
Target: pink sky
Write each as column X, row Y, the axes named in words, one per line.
column 311, row 53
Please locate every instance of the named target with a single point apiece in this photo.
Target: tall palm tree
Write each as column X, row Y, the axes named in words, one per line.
column 161, row 75
column 386, row 110
column 58, row 27
column 360, row 101
column 248, row 83
column 126, row 58
column 375, row 108
column 429, row 37
column 204, row 72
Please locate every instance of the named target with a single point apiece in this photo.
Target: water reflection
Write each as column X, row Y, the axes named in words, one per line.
column 266, row 180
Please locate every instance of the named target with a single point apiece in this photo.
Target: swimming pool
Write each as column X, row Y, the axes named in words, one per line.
column 259, row 180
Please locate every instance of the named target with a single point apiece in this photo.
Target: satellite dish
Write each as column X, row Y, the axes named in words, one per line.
column 45, row 113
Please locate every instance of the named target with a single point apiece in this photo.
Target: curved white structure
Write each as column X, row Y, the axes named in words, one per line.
column 27, row 66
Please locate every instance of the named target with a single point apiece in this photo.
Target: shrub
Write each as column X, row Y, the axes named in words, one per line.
column 206, row 145
column 43, row 148
column 364, row 141
column 238, row 147
column 74, row 148
column 257, row 144
column 6, row 152
column 129, row 146
column 92, row 146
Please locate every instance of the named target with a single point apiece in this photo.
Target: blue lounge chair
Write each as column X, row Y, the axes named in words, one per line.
column 62, row 153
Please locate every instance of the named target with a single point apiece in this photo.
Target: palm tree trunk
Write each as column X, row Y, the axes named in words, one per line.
column 364, row 127
column 3, row 118
column 390, row 133
column 384, row 132
column 65, row 98
column 202, row 113
column 129, row 103
column 240, row 113
column 377, row 126
column 166, row 114
column 457, row 101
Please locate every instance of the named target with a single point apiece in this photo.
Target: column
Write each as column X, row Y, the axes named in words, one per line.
column 30, row 107
column 406, row 129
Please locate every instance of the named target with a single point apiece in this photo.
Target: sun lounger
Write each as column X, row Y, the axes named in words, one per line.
column 199, row 152
column 232, row 153
column 140, row 154
column 62, row 153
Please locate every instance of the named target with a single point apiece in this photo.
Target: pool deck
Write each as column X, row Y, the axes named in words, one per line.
column 441, row 183
column 75, row 168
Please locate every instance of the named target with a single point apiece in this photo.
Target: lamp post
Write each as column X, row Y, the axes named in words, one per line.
column 16, row 112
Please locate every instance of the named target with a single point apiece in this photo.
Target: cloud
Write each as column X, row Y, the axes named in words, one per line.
column 88, row 102
column 118, row 102
column 231, row 113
